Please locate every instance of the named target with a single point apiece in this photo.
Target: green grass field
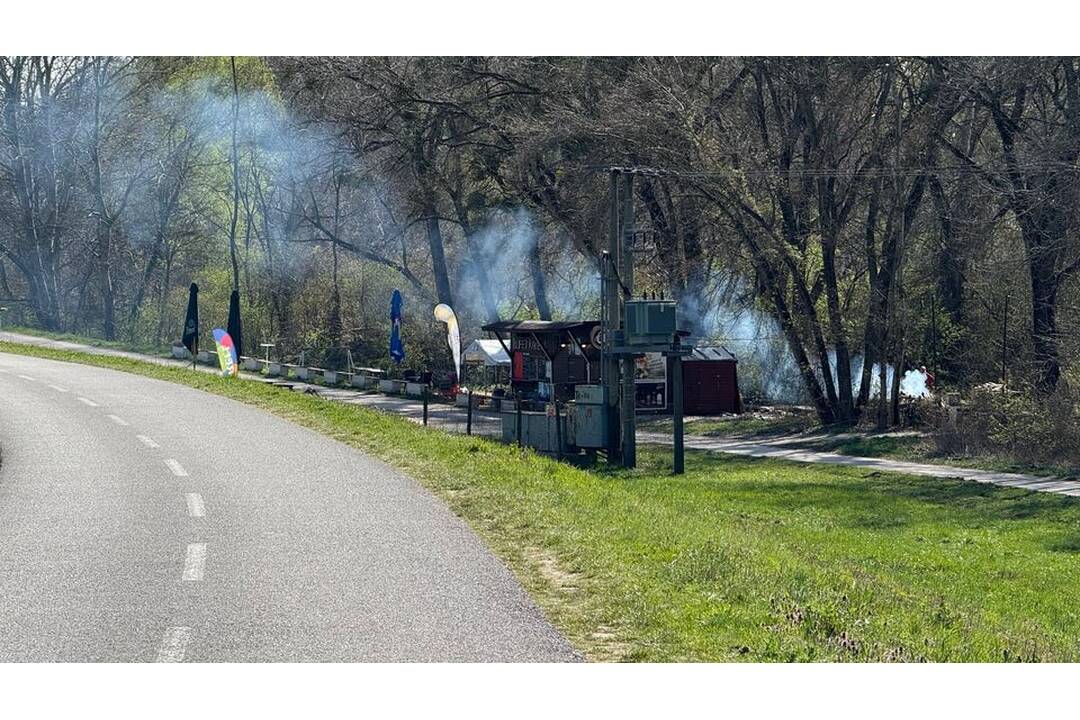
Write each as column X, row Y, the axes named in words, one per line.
column 737, row 425
column 738, row 559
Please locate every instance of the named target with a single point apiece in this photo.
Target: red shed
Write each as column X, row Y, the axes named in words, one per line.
column 710, row 382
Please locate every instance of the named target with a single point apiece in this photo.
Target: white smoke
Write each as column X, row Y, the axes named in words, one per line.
column 913, row 384
column 503, row 248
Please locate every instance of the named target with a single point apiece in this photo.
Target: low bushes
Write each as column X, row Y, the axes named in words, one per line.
column 1022, row 425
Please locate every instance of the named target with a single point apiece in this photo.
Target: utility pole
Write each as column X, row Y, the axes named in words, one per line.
column 933, row 334
column 626, row 361
column 675, row 372
column 610, row 317
column 1004, row 341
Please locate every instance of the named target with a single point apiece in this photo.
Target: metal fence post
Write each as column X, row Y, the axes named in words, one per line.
column 425, row 394
column 558, row 433
column 517, row 411
column 468, row 416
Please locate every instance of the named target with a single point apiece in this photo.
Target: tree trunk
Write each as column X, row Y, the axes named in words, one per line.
column 438, row 257
column 846, row 407
column 1045, row 284
column 539, row 282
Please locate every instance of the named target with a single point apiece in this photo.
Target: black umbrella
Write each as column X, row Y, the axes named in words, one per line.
column 235, row 328
column 191, row 322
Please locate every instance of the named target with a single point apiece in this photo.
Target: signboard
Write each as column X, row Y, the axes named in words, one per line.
column 525, row 343
column 650, row 381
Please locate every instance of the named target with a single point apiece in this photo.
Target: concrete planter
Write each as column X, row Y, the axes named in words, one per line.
column 252, row 364
column 360, row 381
column 312, row 374
column 392, row 387
column 180, row 352
column 414, row 389
column 331, row 377
column 207, row 358
column 462, row 400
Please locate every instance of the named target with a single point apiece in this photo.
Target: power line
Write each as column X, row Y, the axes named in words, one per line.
column 886, row 172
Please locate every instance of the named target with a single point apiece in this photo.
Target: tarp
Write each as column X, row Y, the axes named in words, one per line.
column 489, row 353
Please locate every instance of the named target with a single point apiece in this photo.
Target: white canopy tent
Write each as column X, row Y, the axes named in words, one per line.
column 489, row 353
column 487, row 362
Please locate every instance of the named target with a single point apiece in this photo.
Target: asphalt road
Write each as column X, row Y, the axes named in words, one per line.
column 143, row 521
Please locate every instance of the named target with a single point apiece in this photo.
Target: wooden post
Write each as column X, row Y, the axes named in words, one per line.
column 517, row 411
column 676, row 389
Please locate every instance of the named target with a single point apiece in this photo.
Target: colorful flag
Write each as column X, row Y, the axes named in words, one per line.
column 397, row 347
column 226, row 353
column 191, row 322
column 444, row 313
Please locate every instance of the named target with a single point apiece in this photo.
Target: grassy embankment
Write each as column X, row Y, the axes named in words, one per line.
column 144, row 348
column 759, row 426
column 846, row 441
column 739, row 559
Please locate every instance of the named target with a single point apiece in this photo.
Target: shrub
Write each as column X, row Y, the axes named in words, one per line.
column 1019, row 424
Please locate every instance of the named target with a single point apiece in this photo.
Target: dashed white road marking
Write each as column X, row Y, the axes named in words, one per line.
column 194, row 562
column 174, row 645
column 88, row 401
column 195, row 505
column 177, row 469
column 57, row 388
column 27, row 377
column 148, row 442
column 118, row 420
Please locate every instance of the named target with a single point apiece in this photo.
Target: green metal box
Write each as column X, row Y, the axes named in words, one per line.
column 589, row 418
column 649, row 322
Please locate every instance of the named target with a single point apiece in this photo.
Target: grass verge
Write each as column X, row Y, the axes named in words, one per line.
column 760, row 425
column 920, row 449
column 143, row 348
column 739, row 559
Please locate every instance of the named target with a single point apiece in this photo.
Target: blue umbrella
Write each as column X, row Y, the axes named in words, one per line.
column 397, row 348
